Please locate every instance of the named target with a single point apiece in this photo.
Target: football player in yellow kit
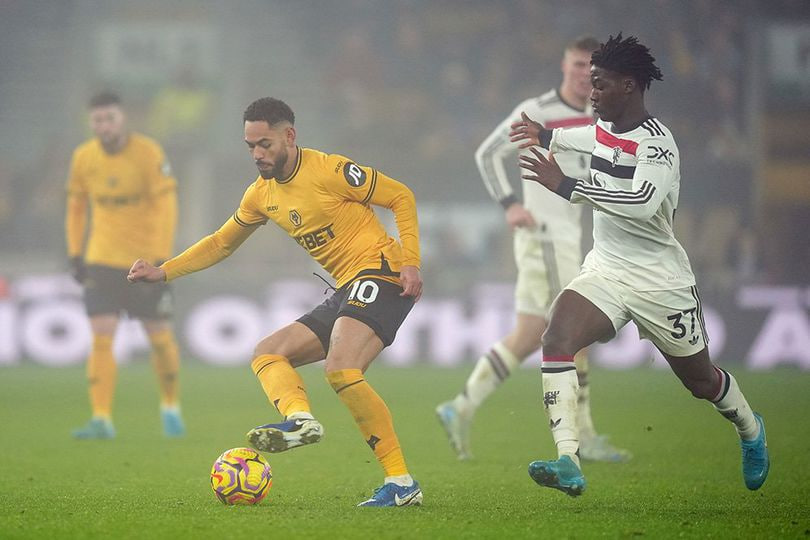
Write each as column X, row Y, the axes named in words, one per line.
column 123, row 178
column 323, row 201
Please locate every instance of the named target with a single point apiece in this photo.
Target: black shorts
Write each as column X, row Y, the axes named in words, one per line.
column 370, row 300
column 106, row 290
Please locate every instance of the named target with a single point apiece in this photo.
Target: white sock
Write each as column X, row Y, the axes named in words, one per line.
column 731, row 403
column 302, row 415
column 403, row 480
column 174, row 408
column 560, row 390
column 584, row 420
column 489, row 372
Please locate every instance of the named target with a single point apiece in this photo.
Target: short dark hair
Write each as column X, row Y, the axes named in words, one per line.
column 270, row 110
column 104, row 99
column 628, row 57
column 583, row 43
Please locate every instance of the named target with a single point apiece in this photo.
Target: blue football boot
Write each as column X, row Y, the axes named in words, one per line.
column 391, row 494
column 562, row 474
column 96, row 428
column 285, row 435
column 598, row 448
column 173, row 425
column 457, row 426
column 755, row 459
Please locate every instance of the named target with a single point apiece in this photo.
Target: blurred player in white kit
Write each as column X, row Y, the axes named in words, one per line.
column 548, row 253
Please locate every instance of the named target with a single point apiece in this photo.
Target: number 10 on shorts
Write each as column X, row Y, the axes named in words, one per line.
column 364, row 291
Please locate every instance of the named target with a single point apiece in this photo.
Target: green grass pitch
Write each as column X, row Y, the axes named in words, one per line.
column 684, row 480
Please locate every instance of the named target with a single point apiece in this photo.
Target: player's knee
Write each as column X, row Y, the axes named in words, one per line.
column 557, row 343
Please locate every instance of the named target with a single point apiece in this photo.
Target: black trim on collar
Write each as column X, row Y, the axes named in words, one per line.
column 297, row 167
column 631, row 128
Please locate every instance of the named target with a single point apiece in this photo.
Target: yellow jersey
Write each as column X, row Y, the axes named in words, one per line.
column 325, row 206
column 132, row 198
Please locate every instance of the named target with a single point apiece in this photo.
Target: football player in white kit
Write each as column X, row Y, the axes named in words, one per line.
column 548, row 253
column 636, row 270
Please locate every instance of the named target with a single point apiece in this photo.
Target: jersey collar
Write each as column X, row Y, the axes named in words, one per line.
column 297, row 167
column 631, row 128
column 570, row 105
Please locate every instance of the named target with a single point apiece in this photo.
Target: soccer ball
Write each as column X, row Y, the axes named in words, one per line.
column 241, row 476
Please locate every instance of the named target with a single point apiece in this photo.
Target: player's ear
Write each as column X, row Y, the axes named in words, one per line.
column 629, row 85
column 289, row 135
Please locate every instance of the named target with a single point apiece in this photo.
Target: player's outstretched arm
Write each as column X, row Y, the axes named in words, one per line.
column 143, row 271
column 208, row 251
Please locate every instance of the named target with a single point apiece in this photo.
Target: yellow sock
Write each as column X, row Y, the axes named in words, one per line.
column 282, row 384
column 166, row 362
column 101, row 371
column 372, row 417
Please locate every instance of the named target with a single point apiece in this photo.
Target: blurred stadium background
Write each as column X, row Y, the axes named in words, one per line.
column 410, row 88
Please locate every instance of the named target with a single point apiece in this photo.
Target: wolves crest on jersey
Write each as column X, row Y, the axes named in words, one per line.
column 295, row 218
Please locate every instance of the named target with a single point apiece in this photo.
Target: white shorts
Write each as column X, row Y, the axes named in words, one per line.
column 544, row 268
column 672, row 320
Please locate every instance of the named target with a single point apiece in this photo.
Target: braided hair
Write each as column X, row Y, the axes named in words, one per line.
column 628, row 57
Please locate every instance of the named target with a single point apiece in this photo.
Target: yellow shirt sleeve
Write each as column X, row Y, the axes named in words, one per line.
column 398, row 198
column 369, row 186
column 208, row 251
column 163, row 194
column 76, row 211
column 215, row 247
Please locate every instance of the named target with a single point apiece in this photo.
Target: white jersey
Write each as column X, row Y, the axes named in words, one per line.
column 634, row 188
column 557, row 220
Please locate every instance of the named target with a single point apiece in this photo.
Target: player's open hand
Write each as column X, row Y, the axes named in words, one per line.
column 526, row 130
column 546, row 171
column 143, row 271
column 517, row 217
column 411, row 280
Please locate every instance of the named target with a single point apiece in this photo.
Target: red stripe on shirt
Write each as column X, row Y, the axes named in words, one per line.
column 610, row 140
column 569, row 122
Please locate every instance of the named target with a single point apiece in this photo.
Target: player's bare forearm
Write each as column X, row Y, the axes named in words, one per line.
column 411, row 280
column 146, row 272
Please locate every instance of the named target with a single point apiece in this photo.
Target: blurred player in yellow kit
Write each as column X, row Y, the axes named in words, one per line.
column 323, row 201
column 119, row 179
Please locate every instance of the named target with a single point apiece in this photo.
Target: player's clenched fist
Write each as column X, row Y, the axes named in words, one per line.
column 143, row 271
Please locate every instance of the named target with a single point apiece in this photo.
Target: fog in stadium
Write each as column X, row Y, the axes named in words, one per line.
column 410, row 88
column 422, row 92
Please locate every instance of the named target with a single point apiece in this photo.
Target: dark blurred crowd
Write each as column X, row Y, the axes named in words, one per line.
column 413, row 87
column 430, row 83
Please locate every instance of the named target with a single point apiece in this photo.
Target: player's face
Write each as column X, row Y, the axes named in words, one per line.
column 576, row 69
column 609, row 93
column 269, row 147
column 109, row 125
